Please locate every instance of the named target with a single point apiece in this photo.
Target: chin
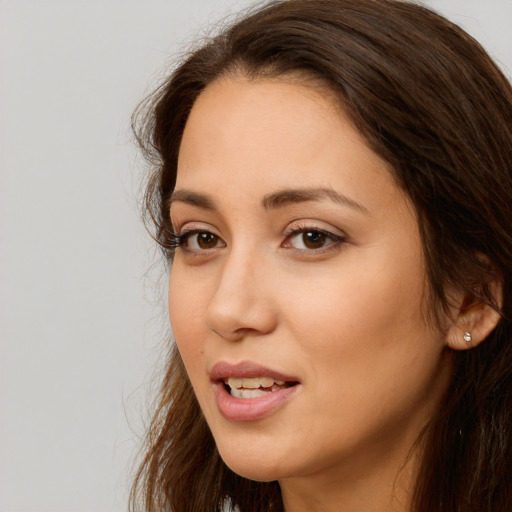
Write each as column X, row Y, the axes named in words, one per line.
column 253, row 465
column 258, row 473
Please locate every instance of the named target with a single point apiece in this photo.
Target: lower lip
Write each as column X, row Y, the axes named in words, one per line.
column 250, row 409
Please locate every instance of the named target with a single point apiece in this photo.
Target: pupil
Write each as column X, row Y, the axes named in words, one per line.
column 206, row 240
column 313, row 239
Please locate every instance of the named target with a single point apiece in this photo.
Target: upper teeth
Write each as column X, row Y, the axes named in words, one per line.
column 252, row 382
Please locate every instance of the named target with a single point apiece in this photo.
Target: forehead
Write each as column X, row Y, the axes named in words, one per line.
column 283, row 126
column 258, row 106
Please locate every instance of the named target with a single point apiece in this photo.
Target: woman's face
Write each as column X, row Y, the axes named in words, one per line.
column 297, row 293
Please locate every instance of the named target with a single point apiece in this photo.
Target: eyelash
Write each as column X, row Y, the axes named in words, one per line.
column 336, row 240
column 179, row 240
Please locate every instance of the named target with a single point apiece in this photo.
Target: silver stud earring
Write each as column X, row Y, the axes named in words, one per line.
column 467, row 338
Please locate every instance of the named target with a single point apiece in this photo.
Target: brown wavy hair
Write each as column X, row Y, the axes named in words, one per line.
column 430, row 101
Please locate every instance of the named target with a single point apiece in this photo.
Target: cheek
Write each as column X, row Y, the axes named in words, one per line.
column 363, row 301
column 364, row 331
column 185, row 313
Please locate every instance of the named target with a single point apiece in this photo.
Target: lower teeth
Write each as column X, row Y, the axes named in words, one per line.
column 249, row 393
column 253, row 393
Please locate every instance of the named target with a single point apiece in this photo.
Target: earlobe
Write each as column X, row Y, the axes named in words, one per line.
column 474, row 322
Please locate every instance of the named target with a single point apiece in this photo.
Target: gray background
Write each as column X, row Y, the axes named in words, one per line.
column 81, row 312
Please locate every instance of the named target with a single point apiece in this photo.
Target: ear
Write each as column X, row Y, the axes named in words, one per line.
column 473, row 320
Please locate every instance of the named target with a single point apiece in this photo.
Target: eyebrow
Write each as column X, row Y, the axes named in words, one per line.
column 193, row 198
column 273, row 201
column 285, row 197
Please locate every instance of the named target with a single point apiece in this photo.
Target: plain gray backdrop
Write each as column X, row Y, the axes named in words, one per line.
column 80, row 322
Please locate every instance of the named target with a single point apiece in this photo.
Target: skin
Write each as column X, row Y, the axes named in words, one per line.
column 348, row 318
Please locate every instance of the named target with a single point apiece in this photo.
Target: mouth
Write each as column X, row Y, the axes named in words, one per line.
column 255, row 387
column 249, row 392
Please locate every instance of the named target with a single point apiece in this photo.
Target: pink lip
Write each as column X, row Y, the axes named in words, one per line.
column 223, row 370
column 248, row 409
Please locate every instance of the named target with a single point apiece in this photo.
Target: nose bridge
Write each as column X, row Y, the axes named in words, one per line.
column 240, row 303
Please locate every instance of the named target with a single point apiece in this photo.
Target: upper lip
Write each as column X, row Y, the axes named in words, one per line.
column 246, row 369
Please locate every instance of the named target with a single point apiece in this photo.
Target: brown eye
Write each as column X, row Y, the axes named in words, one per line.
column 206, row 240
column 313, row 239
column 203, row 240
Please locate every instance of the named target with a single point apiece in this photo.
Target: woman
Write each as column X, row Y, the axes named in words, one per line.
column 333, row 186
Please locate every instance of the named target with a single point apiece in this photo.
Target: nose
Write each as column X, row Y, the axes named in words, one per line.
column 242, row 304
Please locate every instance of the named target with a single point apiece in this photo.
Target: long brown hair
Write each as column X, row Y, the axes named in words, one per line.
column 429, row 100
